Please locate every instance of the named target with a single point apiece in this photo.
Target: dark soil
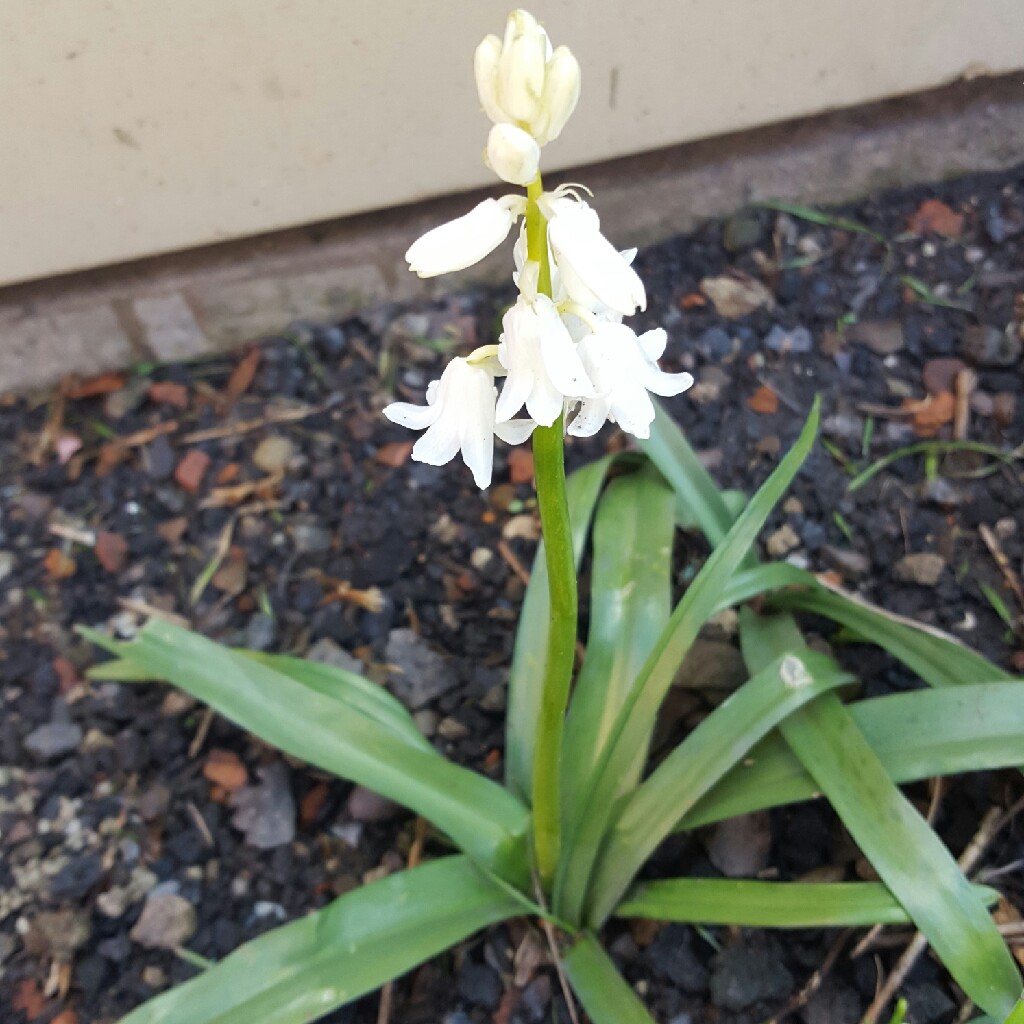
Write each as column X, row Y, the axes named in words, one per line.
column 108, row 791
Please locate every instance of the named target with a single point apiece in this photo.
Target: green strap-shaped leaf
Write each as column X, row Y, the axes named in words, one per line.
column 635, row 722
column 752, row 904
column 526, row 676
column 629, row 606
column 702, row 503
column 305, row 969
column 481, row 817
column 915, row 735
column 908, row 856
column 367, row 697
column 603, row 991
column 939, row 659
column 650, row 813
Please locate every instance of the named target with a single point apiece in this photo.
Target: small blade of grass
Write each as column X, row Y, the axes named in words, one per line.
column 938, row 448
column 925, row 294
column 998, row 604
column 823, row 219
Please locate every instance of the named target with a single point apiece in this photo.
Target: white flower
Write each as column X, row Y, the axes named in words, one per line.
column 544, row 368
column 522, row 82
column 623, row 369
column 466, row 240
column 592, row 271
column 512, row 154
column 459, row 415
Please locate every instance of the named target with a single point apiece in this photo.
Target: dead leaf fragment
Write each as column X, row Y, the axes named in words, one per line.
column 933, row 215
column 520, row 465
column 58, row 566
column 225, row 769
column 111, row 551
column 764, row 400
column 173, row 529
column 931, row 413
column 736, row 295
column 394, row 455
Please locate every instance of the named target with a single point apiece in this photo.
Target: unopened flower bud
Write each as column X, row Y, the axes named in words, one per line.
column 524, row 54
column 559, row 97
column 512, row 154
column 486, row 61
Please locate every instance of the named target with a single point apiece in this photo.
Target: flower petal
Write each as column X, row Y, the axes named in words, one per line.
column 464, row 241
column 416, row 417
column 485, row 69
column 591, row 418
column 439, row 444
column 515, row 431
column 561, row 360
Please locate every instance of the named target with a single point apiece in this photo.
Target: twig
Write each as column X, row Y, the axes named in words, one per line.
column 140, row 607
column 247, row 426
column 74, row 534
column 204, row 829
column 966, row 382
column 415, row 854
column 803, row 997
column 991, row 823
column 200, row 737
column 999, row 557
column 556, row 958
column 146, row 435
column 512, row 559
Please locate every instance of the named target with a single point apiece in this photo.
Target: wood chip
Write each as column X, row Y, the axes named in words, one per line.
column 241, row 379
column 191, row 470
column 764, row 400
column 111, row 551
column 102, row 384
column 167, row 392
column 934, row 216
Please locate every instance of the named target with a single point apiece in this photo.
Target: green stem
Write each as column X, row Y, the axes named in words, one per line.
column 549, row 472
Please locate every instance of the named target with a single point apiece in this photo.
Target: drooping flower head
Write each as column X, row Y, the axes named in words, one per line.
column 564, row 353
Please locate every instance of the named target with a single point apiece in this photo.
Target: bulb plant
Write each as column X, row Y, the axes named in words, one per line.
column 564, row 840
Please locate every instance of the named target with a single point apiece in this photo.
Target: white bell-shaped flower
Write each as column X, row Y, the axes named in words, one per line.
column 466, row 240
column 544, row 368
column 459, row 416
column 623, row 368
column 512, row 154
column 591, row 270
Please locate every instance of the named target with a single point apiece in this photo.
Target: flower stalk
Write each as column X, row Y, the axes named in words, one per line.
column 549, row 473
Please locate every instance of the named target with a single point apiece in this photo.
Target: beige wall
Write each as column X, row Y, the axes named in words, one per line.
column 131, row 127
